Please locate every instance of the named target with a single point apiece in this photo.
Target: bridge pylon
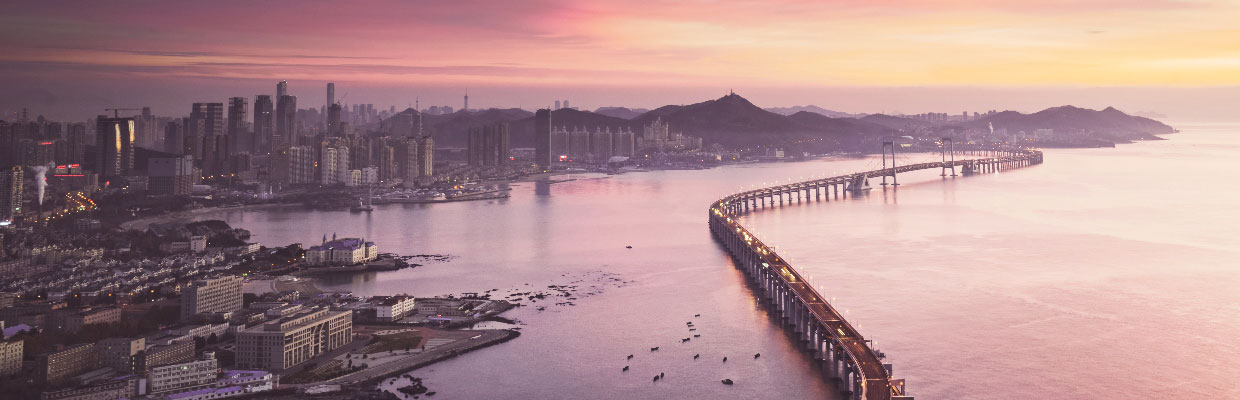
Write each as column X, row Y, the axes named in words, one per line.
column 948, row 146
column 892, row 171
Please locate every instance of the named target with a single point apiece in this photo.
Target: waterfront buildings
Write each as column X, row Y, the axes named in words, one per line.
column 293, row 165
column 658, row 136
column 582, row 145
column 542, row 138
column 170, row 176
column 489, row 145
column 333, row 165
column 393, row 308
column 212, row 295
column 347, row 251
column 292, row 340
column 114, row 146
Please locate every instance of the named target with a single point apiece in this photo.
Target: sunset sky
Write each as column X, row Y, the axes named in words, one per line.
column 868, row 56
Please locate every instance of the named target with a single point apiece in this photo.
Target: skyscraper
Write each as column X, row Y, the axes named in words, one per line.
column 203, row 137
column 10, row 194
column 286, row 120
column 466, row 109
column 76, row 144
column 331, row 94
column 114, row 142
column 206, row 119
column 174, row 136
column 264, row 123
column 557, row 105
column 426, row 156
column 239, row 137
column 333, row 120
column 542, row 138
column 281, row 89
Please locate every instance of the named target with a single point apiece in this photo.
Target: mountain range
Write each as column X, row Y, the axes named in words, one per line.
column 734, row 122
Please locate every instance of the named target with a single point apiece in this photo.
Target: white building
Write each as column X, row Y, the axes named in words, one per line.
column 392, row 308
column 347, row 251
column 185, row 376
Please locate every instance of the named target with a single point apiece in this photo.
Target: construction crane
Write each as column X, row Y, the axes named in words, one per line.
column 116, row 112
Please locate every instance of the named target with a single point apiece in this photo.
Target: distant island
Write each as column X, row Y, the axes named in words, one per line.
column 734, row 122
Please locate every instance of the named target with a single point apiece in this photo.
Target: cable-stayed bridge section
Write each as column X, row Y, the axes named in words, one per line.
column 846, row 357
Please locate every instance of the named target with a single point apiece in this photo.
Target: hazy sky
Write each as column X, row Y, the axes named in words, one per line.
column 1182, row 58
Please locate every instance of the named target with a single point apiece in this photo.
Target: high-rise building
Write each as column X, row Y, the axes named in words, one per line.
column 566, row 104
column 557, row 105
column 542, row 138
column 293, row 165
column 121, row 354
column 264, row 124
column 294, row 339
column 623, row 143
column 114, row 144
column 489, row 145
column 466, row 109
column 10, row 194
column 333, row 165
column 331, row 93
column 601, row 144
column 206, row 119
column 239, row 138
column 281, row 89
column 76, row 144
column 10, row 357
column 174, row 136
column 170, row 176
column 333, row 120
column 145, row 129
column 286, row 121
column 426, row 156
column 211, row 295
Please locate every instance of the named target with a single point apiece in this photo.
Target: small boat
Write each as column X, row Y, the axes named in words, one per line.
column 656, row 378
column 727, row 381
column 654, row 349
column 696, row 315
column 756, row 355
column 630, row 356
column 684, row 340
column 695, row 356
column 626, row 368
column 697, row 335
column 628, row 247
column 725, row 359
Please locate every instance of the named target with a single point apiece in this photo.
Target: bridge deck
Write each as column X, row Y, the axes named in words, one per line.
column 875, row 380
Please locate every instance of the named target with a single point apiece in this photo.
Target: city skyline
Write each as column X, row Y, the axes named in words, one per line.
column 1162, row 56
